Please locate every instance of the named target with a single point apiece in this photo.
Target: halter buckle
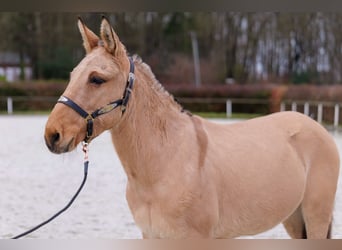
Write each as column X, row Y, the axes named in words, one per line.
column 90, row 123
column 131, row 76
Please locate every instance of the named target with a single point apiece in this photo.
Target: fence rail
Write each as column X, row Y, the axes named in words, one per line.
column 315, row 109
column 11, row 100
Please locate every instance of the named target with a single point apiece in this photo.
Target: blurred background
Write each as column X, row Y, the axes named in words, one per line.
column 214, row 63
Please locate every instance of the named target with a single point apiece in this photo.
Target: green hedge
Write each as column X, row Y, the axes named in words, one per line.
column 262, row 92
column 273, row 93
column 31, row 89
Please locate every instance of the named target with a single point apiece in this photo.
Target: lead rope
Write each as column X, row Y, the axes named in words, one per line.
column 86, row 163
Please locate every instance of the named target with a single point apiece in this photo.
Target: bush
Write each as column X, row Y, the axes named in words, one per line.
column 260, row 92
column 37, row 88
column 11, row 90
column 31, row 89
column 332, row 93
column 272, row 94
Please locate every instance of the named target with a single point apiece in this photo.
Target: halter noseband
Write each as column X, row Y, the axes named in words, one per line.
column 89, row 117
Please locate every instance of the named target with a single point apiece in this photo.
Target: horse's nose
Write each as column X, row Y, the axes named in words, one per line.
column 51, row 140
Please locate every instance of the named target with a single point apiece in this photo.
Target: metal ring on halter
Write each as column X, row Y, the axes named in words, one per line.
column 131, row 76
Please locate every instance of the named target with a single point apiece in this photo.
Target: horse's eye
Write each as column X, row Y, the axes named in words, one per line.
column 96, row 80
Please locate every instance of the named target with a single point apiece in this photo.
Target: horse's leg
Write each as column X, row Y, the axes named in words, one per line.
column 318, row 202
column 318, row 219
column 295, row 225
column 144, row 235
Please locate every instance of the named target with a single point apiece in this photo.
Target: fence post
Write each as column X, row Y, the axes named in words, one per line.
column 336, row 115
column 306, row 108
column 229, row 108
column 319, row 112
column 294, row 106
column 9, row 105
column 282, row 107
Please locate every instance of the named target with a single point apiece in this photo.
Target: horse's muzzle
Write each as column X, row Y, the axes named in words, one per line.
column 54, row 144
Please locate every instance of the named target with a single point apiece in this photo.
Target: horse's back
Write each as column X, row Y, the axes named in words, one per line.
column 280, row 132
column 306, row 136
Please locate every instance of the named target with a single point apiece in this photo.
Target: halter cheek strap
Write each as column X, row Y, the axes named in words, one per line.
column 89, row 117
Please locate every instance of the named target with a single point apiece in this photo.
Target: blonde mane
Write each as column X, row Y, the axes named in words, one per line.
column 155, row 85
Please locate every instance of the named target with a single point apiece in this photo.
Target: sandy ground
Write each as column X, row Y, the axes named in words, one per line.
column 35, row 183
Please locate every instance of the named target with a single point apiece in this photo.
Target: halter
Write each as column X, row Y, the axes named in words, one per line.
column 89, row 117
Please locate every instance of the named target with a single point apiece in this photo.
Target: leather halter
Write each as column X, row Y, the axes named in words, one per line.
column 89, row 117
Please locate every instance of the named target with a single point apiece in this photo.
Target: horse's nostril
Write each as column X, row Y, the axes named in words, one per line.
column 51, row 139
column 55, row 137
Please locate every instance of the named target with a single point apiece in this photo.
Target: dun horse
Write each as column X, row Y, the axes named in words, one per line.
column 189, row 177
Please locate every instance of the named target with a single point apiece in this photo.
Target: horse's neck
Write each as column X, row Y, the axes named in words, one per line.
column 151, row 125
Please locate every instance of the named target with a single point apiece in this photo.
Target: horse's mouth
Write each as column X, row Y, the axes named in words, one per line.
column 59, row 149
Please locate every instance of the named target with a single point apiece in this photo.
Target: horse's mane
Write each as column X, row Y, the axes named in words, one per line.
column 154, row 83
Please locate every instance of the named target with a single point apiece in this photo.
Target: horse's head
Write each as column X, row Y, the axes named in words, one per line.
column 97, row 80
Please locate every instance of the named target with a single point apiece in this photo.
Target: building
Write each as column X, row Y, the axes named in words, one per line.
column 10, row 67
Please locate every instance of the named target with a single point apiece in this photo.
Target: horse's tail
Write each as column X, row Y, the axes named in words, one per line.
column 304, row 234
column 330, row 229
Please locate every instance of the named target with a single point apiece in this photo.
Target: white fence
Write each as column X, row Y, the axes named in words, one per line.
column 307, row 107
column 317, row 106
column 314, row 109
column 11, row 101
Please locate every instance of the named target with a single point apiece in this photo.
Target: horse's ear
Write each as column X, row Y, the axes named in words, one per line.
column 110, row 39
column 90, row 40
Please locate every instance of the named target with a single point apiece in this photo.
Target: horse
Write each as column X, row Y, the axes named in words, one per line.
column 188, row 177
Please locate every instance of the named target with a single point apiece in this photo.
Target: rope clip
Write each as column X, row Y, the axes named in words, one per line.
column 85, row 149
